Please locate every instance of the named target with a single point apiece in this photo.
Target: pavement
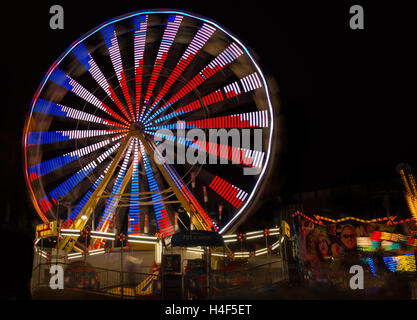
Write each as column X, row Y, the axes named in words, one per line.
column 304, row 290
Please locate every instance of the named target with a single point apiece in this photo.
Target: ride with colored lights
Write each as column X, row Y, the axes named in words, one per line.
column 91, row 160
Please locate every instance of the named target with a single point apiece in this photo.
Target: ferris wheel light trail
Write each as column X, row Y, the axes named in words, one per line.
column 171, row 30
column 47, row 166
column 134, row 213
column 164, row 224
column 251, row 158
column 225, row 58
column 202, row 216
column 110, row 207
column 229, row 192
column 36, row 138
column 249, row 83
column 54, row 109
column 192, row 50
column 257, row 119
column 69, row 184
column 76, row 211
column 195, row 105
column 82, row 54
column 68, row 243
column 140, row 29
column 65, row 81
column 110, row 38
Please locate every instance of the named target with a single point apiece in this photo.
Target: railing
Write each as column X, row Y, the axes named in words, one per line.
column 85, row 276
column 124, row 284
column 268, row 273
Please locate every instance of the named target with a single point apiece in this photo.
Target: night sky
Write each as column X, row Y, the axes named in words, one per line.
column 348, row 95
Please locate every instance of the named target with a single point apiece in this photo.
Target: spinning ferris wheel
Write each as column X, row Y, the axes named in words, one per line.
column 123, row 88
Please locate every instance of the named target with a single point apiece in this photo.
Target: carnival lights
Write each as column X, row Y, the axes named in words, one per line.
column 89, row 145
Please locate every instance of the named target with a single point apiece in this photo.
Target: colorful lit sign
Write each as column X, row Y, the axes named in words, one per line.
column 46, row 230
column 285, row 228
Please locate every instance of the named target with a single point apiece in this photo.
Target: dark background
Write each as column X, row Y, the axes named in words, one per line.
column 348, row 95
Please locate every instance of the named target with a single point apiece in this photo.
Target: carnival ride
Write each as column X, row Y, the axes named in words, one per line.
column 97, row 141
column 409, row 181
column 91, row 141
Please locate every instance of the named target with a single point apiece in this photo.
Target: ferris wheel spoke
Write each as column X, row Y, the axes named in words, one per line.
column 140, row 26
column 74, row 215
column 65, row 81
column 68, row 242
column 74, row 180
column 112, row 44
column 120, row 183
column 47, row 166
column 225, row 58
column 256, row 119
column 199, row 40
column 134, row 210
column 55, row 109
column 164, row 223
column 204, row 220
column 181, row 191
column 46, row 137
column 173, row 24
column 232, row 194
column 82, row 54
column 249, row 83
column 237, row 155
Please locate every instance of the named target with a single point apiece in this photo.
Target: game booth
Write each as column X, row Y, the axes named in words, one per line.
column 384, row 247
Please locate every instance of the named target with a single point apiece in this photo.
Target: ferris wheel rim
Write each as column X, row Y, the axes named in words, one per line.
column 248, row 52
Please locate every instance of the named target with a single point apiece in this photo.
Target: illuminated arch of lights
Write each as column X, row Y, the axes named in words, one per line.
column 271, row 233
column 89, row 138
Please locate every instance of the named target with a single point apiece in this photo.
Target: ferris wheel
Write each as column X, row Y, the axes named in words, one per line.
column 102, row 118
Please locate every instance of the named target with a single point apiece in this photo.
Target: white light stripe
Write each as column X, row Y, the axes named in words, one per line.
column 219, row 255
column 94, row 253
column 75, row 257
column 75, row 254
column 254, row 232
column 275, row 233
column 103, row 237
column 96, row 233
column 274, row 229
column 255, row 237
column 142, row 241
column 142, row 237
column 195, row 252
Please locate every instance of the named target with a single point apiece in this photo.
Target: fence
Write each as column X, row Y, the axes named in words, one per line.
column 102, row 281
column 85, row 276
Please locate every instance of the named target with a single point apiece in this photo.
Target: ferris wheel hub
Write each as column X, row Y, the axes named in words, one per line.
column 137, row 127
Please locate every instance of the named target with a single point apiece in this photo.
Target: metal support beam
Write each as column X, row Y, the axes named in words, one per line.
column 67, row 243
column 185, row 204
column 125, row 182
